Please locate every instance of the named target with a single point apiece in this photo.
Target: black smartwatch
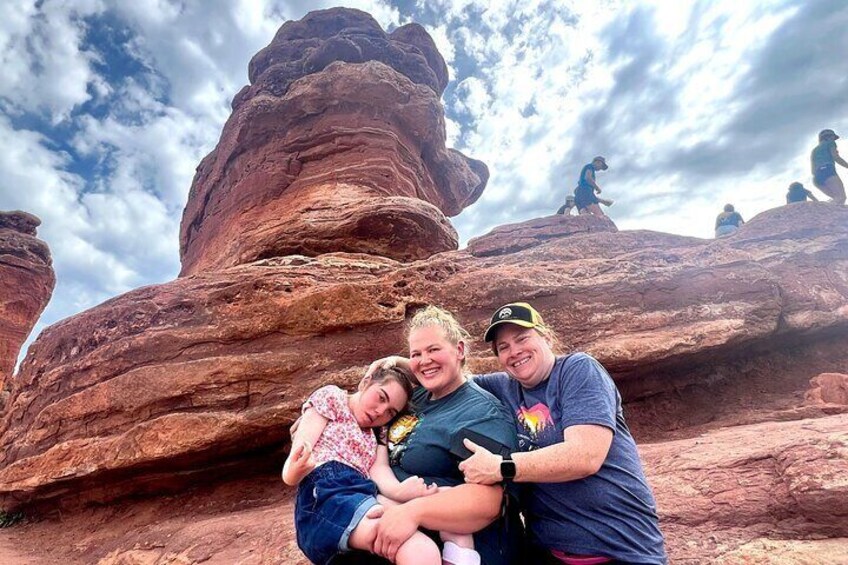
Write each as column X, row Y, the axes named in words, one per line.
column 507, row 468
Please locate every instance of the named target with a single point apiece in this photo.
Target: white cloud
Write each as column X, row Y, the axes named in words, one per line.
column 45, row 68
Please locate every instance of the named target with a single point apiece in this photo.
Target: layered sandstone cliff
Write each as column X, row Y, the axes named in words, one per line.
column 27, row 277
column 730, row 354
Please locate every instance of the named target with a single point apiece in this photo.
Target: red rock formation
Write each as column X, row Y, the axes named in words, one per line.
column 828, row 388
column 27, row 279
column 339, row 114
column 222, row 354
column 726, row 491
column 512, row 238
column 322, row 37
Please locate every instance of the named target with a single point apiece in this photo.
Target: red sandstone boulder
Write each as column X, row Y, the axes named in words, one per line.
column 828, row 388
column 186, row 374
column 512, row 238
column 725, row 492
column 323, row 125
column 27, row 279
column 400, row 228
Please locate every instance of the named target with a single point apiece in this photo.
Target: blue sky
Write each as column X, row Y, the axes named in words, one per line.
column 107, row 107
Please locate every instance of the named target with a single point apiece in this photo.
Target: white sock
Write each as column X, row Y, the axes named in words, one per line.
column 456, row 555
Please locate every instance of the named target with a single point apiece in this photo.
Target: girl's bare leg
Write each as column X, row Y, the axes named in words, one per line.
column 364, row 534
column 417, row 550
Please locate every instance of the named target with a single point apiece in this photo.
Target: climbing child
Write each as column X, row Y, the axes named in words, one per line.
column 334, row 451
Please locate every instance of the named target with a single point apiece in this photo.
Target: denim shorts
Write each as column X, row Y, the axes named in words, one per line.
column 584, row 196
column 331, row 501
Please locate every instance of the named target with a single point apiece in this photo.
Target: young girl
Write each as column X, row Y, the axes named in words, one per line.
column 334, row 450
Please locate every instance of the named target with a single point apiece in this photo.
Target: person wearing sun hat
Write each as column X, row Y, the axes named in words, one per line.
column 823, row 161
column 585, row 194
column 585, row 497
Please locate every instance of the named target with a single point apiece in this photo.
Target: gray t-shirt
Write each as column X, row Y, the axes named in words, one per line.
column 611, row 513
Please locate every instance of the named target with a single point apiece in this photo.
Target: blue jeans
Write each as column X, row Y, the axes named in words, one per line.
column 331, row 501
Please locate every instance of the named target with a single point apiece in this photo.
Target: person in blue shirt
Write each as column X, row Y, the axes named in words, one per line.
column 823, row 161
column 586, row 194
column 728, row 222
column 585, row 499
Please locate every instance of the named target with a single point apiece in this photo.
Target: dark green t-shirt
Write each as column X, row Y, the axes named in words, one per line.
column 419, row 444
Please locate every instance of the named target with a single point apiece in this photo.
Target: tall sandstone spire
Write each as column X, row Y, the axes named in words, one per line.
column 26, row 284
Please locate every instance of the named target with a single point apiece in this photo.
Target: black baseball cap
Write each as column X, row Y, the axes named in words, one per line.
column 518, row 313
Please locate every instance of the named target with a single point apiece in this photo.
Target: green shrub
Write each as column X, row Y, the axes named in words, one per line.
column 9, row 519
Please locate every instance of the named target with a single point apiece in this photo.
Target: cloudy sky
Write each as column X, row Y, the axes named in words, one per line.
column 106, row 108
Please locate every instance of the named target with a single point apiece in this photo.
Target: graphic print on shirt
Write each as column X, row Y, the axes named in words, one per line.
column 400, row 431
column 535, row 422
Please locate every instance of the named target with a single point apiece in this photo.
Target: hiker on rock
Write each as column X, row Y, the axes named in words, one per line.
column 728, row 222
column 797, row 193
column 585, row 195
column 565, row 209
column 823, row 161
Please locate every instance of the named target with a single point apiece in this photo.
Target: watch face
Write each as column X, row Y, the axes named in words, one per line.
column 508, row 469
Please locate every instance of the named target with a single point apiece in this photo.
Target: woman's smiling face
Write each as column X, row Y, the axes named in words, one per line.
column 524, row 354
column 436, row 362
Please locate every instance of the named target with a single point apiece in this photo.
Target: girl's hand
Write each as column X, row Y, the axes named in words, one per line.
column 414, row 487
column 300, row 462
